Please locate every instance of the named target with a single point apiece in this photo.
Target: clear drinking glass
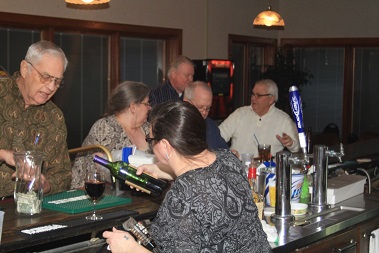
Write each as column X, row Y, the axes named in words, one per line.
column 95, row 186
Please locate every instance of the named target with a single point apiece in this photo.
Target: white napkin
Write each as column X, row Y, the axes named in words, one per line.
column 272, row 234
column 374, row 241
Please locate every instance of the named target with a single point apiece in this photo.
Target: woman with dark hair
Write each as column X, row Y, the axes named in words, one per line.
column 124, row 124
column 209, row 207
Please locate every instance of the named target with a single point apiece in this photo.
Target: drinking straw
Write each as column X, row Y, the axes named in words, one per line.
column 256, row 139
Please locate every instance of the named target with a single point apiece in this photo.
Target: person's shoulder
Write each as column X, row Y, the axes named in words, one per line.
column 159, row 87
column 211, row 122
column 225, row 155
column 50, row 106
column 280, row 113
column 241, row 111
column 107, row 120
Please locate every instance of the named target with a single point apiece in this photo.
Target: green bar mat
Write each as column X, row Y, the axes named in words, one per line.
column 76, row 201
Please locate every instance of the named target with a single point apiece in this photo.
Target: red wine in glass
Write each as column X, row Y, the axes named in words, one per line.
column 95, row 186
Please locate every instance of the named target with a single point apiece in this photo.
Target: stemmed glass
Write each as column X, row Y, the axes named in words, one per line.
column 95, row 186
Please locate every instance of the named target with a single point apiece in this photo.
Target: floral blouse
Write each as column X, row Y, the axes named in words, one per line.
column 107, row 132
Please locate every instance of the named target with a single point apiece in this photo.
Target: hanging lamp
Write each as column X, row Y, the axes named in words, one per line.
column 87, row 2
column 269, row 18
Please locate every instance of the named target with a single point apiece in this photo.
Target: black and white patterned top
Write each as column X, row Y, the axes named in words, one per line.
column 210, row 209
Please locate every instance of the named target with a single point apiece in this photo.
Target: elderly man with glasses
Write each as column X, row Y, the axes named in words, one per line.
column 260, row 122
column 200, row 95
column 29, row 121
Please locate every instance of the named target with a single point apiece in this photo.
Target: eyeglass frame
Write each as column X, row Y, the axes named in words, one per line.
column 206, row 109
column 61, row 81
column 258, row 96
column 147, row 104
column 150, row 140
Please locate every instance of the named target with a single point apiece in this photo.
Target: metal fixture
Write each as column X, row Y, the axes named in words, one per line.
column 87, row 2
column 283, row 188
column 320, row 176
column 269, row 18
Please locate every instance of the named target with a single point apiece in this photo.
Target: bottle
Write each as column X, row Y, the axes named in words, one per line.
column 127, row 173
column 257, row 197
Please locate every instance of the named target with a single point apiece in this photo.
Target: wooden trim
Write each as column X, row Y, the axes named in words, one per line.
column 269, row 46
column 49, row 25
column 330, row 42
column 41, row 22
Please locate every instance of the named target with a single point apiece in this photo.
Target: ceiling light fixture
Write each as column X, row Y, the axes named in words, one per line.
column 87, row 2
column 269, row 18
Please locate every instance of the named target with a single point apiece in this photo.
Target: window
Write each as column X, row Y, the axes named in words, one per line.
column 344, row 87
column 100, row 55
column 322, row 99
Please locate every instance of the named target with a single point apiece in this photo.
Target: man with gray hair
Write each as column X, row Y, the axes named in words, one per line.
column 180, row 74
column 260, row 122
column 30, row 121
column 200, row 95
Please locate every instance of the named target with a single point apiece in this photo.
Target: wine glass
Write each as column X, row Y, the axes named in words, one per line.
column 95, row 186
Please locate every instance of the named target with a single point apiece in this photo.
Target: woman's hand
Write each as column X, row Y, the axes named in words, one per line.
column 123, row 242
column 154, row 170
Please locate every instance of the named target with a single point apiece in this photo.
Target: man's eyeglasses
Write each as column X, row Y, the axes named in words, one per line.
column 201, row 109
column 46, row 79
column 260, row 95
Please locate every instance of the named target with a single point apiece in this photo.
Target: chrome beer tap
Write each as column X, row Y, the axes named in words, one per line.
column 320, row 176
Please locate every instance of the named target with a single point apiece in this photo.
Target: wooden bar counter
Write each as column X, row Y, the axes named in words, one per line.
column 13, row 240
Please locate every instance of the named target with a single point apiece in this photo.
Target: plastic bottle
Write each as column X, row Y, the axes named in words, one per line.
column 258, row 198
column 127, row 173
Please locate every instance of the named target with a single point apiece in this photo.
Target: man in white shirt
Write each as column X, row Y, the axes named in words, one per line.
column 260, row 122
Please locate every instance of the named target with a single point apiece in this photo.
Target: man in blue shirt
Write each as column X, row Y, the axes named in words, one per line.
column 180, row 74
column 200, row 95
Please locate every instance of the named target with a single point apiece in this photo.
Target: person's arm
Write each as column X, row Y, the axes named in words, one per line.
column 157, row 170
column 290, row 136
column 122, row 242
column 228, row 126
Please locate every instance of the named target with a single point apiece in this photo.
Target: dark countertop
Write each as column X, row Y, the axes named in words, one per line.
column 354, row 211
column 13, row 240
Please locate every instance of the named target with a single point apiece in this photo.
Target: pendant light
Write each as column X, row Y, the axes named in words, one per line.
column 269, row 18
column 87, row 2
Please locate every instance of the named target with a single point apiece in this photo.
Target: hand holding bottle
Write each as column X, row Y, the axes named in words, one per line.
column 157, row 170
column 128, row 173
column 121, row 241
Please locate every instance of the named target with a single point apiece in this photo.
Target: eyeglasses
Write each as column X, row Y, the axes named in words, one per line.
column 260, row 95
column 147, row 104
column 150, row 140
column 46, row 79
column 202, row 108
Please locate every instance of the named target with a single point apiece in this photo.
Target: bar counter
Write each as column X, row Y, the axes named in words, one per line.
column 364, row 208
column 13, row 240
